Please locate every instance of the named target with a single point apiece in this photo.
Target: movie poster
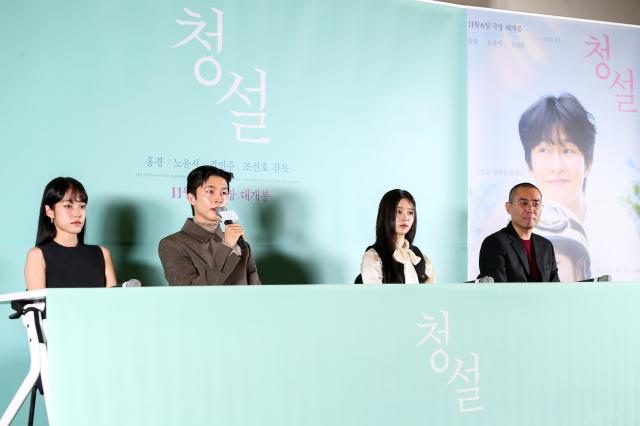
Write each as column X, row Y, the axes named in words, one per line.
column 555, row 102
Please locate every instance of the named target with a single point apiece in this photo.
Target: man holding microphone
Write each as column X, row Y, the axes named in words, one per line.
column 200, row 253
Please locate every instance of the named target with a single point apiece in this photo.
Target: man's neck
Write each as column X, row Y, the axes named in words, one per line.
column 207, row 225
column 579, row 207
column 523, row 233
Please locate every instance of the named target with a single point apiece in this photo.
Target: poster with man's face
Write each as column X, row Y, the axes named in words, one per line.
column 556, row 102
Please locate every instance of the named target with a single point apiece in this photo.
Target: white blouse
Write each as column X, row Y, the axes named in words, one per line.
column 371, row 268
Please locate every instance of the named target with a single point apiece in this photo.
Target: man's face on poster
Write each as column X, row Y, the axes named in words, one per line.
column 559, row 168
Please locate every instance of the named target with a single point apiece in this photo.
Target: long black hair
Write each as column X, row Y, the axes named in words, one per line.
column 54, row 192
column 385, row 245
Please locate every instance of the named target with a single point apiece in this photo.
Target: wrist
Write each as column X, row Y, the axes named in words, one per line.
column 228, row 244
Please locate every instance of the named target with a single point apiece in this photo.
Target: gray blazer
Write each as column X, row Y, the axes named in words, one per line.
column 195, row 256
column 504, row 258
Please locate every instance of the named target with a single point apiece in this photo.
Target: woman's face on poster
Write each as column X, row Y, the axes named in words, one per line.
column 566, row 269
column 559, row 168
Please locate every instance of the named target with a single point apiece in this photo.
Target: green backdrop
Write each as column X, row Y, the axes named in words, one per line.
column 361, row 97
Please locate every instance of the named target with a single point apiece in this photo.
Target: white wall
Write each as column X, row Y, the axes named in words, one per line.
column 627, row 11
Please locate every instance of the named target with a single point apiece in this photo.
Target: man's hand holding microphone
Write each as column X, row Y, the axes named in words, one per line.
column 233, row 231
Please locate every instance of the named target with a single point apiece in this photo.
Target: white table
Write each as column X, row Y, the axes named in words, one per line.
column 32, row 318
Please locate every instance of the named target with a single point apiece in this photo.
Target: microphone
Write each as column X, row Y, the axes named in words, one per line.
column 229, row 217
column 133, row 282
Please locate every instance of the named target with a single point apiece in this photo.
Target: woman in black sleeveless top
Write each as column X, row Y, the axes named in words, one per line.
column 393, row 258
column 60, row 257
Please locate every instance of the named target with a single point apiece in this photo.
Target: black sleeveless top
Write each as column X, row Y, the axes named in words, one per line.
column 80, row 266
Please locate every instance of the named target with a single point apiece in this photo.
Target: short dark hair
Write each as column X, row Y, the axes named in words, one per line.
column 526, row 185
column 385, row 243
column 53, row 193
column 199, row 176
column 542, row 121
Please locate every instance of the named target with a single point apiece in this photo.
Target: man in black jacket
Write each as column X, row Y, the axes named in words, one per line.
column 515, row 253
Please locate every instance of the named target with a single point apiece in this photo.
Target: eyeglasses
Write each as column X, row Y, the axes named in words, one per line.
column 524, row 203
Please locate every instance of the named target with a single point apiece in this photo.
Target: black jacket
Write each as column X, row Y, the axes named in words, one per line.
column 504, row 258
